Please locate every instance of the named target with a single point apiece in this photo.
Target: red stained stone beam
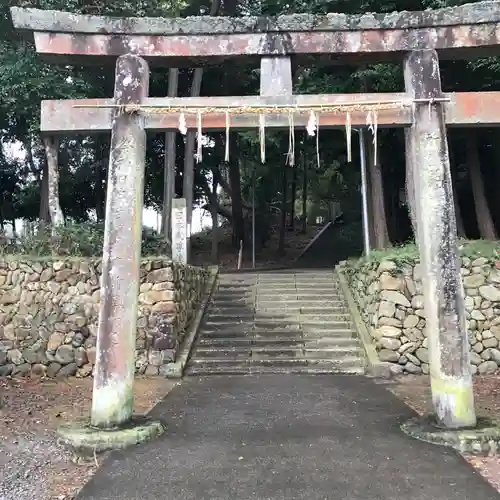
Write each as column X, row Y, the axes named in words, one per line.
column 463, row 109
column 483, row 38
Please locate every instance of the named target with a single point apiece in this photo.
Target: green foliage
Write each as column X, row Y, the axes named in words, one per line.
column 408, row 254
column 77, row 240
column 25, row 80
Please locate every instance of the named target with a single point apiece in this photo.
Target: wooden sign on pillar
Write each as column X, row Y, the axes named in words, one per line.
column 179, row 231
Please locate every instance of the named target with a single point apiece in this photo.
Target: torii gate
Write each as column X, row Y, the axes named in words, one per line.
column 416, row 38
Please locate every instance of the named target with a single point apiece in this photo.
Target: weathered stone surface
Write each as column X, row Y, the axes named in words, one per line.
column 475, row 359
column 68, row 370
column 390, row 282
column 390, row 321
column 490, row 342
column 65, row 354
column 53, row 369
column 411, row 321
column 422, row 354
column 412, row 368
column 394, row 297
column 38, row 20
column 488, row 367
column 474, row 281
column 386, row 309
column 388, row 355
column 55, row 323
column 490, row 292
column 390, row 343
column 387, row 331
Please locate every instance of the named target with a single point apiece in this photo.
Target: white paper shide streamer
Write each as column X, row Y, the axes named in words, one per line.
column 348, row 133
column 199, row 139
column 372, row 122
column 228, row 125
column 262, row 137
column 312, row 124
column 182, row 124
column 291, row 141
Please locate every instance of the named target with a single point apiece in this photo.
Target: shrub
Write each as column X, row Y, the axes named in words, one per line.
column 75, row 239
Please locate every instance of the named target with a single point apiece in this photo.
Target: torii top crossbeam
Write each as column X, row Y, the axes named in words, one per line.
column 453, row 31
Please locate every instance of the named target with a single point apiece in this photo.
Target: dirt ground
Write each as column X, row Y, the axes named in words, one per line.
column 414, row 390
column 33, row 466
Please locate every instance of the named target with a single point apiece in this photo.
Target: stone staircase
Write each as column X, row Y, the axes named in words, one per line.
column 279, row 321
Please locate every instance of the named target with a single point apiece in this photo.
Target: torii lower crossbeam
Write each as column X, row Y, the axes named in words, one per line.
column 95, row 115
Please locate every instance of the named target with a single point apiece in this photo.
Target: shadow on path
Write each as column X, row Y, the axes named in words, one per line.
column 285, row 437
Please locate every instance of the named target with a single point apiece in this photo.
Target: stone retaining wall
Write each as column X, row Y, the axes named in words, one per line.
column 390, row 300
column 49, row 311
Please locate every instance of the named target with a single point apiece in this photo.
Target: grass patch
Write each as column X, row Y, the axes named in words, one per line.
column 408, row 254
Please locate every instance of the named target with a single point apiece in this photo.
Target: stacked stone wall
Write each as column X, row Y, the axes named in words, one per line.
column 49, row 314
column 390, row 300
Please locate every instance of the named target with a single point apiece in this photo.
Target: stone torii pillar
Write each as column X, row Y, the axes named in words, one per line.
column 427, row 156
column 111, row 424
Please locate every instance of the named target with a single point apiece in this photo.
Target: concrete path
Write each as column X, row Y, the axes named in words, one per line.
column 286, row 437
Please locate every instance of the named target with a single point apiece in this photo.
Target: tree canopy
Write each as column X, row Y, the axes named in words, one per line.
column 25, row 81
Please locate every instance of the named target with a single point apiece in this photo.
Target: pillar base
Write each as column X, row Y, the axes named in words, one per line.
column 84, row 439
column 484, row 439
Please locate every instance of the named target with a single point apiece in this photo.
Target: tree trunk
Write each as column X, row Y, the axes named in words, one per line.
column 294, row 197
column 371, row 214
column 458, row 213
column 51, row 150
column 215, row 225
column 304, row 194
column 43, row 215
column 483, row 214
column 284, row 188
column 101, row 159
column 188, row 176
column 377, row 196
column 237, row 205
column 169, row 163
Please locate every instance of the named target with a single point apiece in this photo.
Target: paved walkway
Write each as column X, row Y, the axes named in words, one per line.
column 286, row 437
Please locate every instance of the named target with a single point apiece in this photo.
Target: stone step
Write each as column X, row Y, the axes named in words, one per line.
column 227, row 342
column 354, row 366
column 247, row 328
column 230, row 303
column 298, row 316
column 279, row 322
column 330, row 325
column 307, row 287
column 193, row 371
column 235, row 289
column 238, row 317
column 251, row 343
column 277, row 361
column 327, row 321
column 255, row 352
column 231, row 312
column 303, row 304
column 306, row 278
column 298, row 297
column 244, row 329
column 304, row 310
